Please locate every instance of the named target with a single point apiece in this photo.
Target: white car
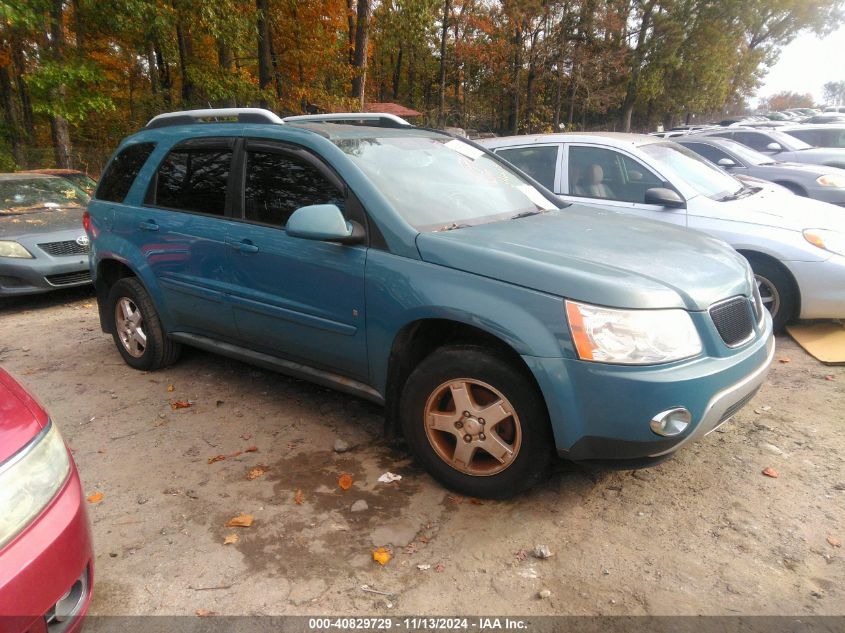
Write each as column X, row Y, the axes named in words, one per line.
column 796, row 246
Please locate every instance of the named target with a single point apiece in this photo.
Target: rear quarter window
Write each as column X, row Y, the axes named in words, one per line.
column 122, row 171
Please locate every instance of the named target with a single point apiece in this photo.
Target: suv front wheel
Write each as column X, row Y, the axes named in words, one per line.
column 136, row 327
column 476, row 423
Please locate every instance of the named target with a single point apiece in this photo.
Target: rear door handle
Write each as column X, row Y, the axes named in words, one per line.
column 244, row 246
column 149, row 225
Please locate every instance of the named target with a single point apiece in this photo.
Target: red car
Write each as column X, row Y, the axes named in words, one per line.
column 46, row 562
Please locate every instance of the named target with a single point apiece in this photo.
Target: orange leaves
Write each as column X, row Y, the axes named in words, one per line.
column 345, row 481
column 771, row 472
column 181, row 404
column 382, row 556
column 255, row 473
column 230, row 539
column 242, row 520
column 95, row 498
column 297, row 498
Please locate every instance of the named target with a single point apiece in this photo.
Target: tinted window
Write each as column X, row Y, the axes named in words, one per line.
column 602, row 173
column 194, row 180
column 754, row 140
column 537, row 162
column 122, row 170
column 713, row 154
column 677, row 162
column 277, row 185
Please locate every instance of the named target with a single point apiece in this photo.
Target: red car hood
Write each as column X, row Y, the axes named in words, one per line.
column 21, row 417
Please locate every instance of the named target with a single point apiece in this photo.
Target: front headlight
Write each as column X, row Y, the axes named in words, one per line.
column 832, row 241
column 29, row 480
column 831, row 180
column 631, row 337
column 10, row 248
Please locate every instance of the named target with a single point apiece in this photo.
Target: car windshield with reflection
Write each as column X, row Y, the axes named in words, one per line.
column 29, row 194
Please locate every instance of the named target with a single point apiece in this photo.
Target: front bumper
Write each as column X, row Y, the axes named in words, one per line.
column 44, row 272
column 603, row 412
column 50, row 557
column 822, row 287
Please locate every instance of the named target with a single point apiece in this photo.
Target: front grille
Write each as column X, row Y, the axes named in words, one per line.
column 733, row 320
column 67, row 279
column 62, row 249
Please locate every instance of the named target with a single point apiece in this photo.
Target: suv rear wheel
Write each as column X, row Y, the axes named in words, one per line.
column 476, row 423
column 136, row 328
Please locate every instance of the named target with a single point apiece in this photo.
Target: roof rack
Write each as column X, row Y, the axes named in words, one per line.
column 214, row 115
column 380, row 119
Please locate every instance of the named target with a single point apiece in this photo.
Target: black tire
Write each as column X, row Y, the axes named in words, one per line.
column 777, row 289
column 532, row 457
column 158, row 350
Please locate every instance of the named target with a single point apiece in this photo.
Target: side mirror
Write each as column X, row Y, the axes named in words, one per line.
column 664, row 197
column 323, row 222
column 726, row 162
column 774, row 147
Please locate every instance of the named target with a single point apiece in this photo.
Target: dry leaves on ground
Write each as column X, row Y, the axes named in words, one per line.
column 242, row 520
column 251, row 449
column 834, row 542
column 95, row 498
column 181, row 404
column 381, row 556
column 205, row 613
column 771, row 472
column 255, row 473
column 297, row 498
column 345, row 482
column 231, row 538
column 171, row 388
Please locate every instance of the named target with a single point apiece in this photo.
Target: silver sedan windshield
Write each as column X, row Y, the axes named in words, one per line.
column 692, row 169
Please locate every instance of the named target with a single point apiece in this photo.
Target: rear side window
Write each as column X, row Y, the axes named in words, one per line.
column 754, row 140
column 194, row 180
column 538, row 162
column 122, row 170
column 713, row 154
column 277, row 185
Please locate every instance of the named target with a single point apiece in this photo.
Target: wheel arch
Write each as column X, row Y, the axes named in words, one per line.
column 752, row 255
column 418, row 339
column 794, row 187
column 109, row 272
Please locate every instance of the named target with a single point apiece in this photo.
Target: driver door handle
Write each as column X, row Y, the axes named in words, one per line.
column 244, row 246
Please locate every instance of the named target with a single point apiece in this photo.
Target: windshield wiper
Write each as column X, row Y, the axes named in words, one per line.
column 741, row 193
column 526, row 214
column 453, row 226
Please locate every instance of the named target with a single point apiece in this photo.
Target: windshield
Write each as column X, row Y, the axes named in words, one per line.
column 692, row 169
column 788, row 142
column 750, row 156
column 21, row 195
column 440, row 183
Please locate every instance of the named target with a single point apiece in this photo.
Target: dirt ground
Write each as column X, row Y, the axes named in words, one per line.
column 703, row 533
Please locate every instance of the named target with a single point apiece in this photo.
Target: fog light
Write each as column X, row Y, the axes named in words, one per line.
column 671, row 422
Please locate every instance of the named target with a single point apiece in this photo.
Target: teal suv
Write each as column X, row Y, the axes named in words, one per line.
column 497, row 325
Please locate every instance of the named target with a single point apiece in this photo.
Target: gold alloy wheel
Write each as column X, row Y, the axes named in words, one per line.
column 472, row 427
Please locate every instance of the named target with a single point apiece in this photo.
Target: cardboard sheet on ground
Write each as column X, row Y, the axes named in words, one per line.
column 823, row 341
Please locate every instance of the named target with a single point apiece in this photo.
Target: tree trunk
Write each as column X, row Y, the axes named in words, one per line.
column 10, row 114
column 23, row 89
column 59, row 129
column 513, row 117
column 633, row 80
column 441, row 107
column 224, row 60
column 164, row 78
column 264, row 61
column 359, row 60
column 350, row 34
column 152, row 69
column 397, row 73
column 183, row 41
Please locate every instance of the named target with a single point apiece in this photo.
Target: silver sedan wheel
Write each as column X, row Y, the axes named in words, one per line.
column 130, row 327
column 768, row 294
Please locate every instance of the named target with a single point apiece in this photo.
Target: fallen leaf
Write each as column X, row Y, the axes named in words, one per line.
column 205, row 613
column 87, row 305
column 181, row 404
column 216, row 458
column 783, row 360
column 102, row 450
column 771, row 472
column 95, row 498
column 246, row 436
column 218, row 403
column 456, row 499
column 255, row 473
column 381, row 556
column 439, row 567
column 829, row 377
column 476, row 502
column 251, row 449
column 171, row 388
column 297, row 498
column 411, row 548
column 231, row 538
column 345, row 483
column 834, row 542
column 242, row 520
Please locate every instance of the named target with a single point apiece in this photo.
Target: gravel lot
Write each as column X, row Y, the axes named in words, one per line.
column 703, row 533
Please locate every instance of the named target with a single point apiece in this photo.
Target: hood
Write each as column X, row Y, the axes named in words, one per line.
column 819, row 155
column 21, row 417
column 598, row 256
column 783, row 210
column 39, row 222
column 808, row 169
